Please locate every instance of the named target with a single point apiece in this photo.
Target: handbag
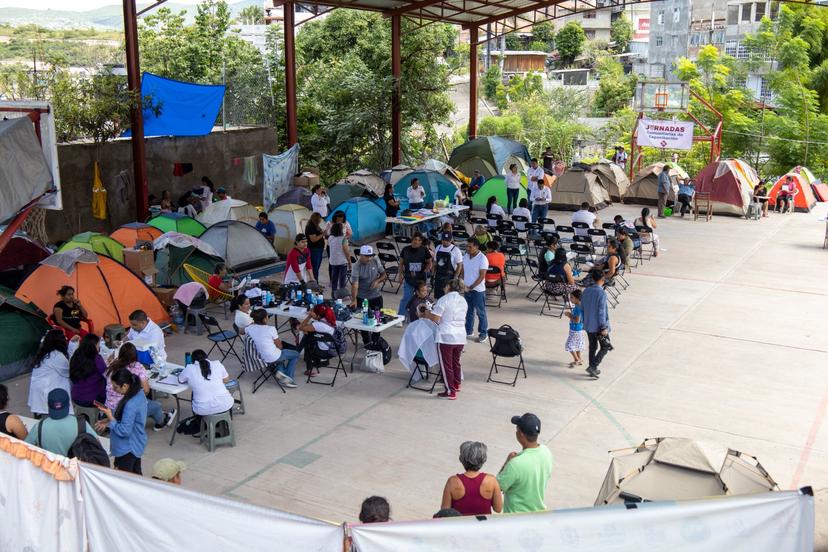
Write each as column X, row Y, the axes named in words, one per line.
column 373, row 362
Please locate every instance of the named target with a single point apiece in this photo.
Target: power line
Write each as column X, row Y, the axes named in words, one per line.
column 771, row 137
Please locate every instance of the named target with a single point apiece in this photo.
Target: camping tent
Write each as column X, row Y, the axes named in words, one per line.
column 804, row 199
column 131, row 233
column 175, row 222
column 367, row 180
column 730, row 183
column 576, row 186
column 174, row 250
column 228, row 209
column 295, row 196
column 24, row 172
column 366, row 218
column 20, row 257
column 342, row 192
column 613, row 179
column 491, row 156
column 457, row 177
column 436, row 187
column 644, row 189
column 108, row 290
column 21, row 328
column 668, row 468
column 496, row 186
column 97, row 243
column 393, row 175
column 240, row 245
column 289, row 220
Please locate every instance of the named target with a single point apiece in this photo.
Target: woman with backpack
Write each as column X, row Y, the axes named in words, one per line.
column 86, row 372
column 321, row 319
column 207, row 378
column 127, row 436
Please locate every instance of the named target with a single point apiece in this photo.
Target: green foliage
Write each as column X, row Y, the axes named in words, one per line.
column 537, row 46
column 251, row 15
column 519, row 88
column 570, row 42
column 491, row 80
column 545, row 33
column 621, row 33
column 615, row 90
column 514, row 42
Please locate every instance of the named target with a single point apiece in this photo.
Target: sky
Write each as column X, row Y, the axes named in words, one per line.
column 75, row 5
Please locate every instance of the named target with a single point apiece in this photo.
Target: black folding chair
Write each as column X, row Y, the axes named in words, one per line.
column 320, row 352
column 479, row 220
column 583, row 254
column 493, row 217
column 220, row 338
column 519, row 219
column 534, row 268
column 505, row 225
column 546, row 221
column 582, row 226
column 254, row 363
column 421, row 367
column 402, row 240
column 504, row 342
column 562, row 230
column 533, row 230
column 599, row 238
column 495, row 290
column 586, row 240
column 514, row 263
column 553, row 300
column 391, row 266
column 387, row 247
column 348, row 272
column 461, row 237
column 649, row 231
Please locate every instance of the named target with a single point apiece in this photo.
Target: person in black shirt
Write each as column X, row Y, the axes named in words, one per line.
column 68, row 312
column 548, row 161
column 392, row 207
column 316, row 242
column 415, row 264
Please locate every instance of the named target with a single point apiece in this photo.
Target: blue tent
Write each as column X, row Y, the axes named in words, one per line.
column 185, row 109
column 490, row 155
column 367, row 220
column 436, row 186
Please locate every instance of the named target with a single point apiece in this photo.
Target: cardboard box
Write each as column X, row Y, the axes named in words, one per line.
column 142, row 263
column 165, row 295
column 306, row 179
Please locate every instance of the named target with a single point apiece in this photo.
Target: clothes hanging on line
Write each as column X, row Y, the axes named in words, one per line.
column 251, row 170
column 180, row 169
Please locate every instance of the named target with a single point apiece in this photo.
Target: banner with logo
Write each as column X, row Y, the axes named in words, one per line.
column 665, row 134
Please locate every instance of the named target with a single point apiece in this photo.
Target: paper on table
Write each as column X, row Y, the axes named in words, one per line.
column 172, row 379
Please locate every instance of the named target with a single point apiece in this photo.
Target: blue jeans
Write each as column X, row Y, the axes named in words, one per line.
column 337, row 274
column 408, row 293
column 316, row 261
column 292, row 357
column 539, row 212
column 476, row 300
column 155, row 412
column 512, row 198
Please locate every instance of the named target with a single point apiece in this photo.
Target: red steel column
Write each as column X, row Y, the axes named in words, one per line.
column 139, row 161
column 473, row 83
column 396, row 92
column 290, row 73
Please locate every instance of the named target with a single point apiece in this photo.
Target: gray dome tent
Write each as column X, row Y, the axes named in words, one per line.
column 240, row 245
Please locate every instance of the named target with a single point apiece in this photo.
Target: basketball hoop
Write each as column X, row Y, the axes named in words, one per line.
column 661, row 99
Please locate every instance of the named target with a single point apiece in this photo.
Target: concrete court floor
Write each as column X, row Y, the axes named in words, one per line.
column 721, row 338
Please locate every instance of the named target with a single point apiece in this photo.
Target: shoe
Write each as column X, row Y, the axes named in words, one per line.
column 593, row 373
column 457, row 388
column 168, row 420
column 286, row 379
column 448, row 395
column 280, row 376
column 289, row 384
column 482, row 339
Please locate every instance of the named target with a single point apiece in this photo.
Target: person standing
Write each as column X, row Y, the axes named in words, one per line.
column 474, row 492
column 367, row 277
column 86, row 372
column 686, row 191
column 475, row 266
column 450, row 316
column 665, row 184
column 320, row 202
column 575, row 340
column 316, row 243
column 541, row 198
column 524, row 476
column 534, row 176
column 512, row 187
column 266, row 227
column 339, row 257
column 415, row 262
column 548, row 161
column 299, row 262
column 620, row 157
column 392, row 207
column 596, row 321
column 416, row 195
column 448, row 260
column 128, row 438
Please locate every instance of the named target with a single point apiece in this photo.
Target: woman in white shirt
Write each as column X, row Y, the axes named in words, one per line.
column 541, row 198
column 522, row 211
column 492, row 208
column 321, row 319
column 241, row 306
column 512, row 187
column 450, row 315
column 320, row 202
column 50, row 370
column 339, row 216
column 207, row 378
column 416, row 195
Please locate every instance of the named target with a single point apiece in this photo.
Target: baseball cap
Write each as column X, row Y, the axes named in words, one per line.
column 167, row 468
column 58, row 401
column 445, row 236
column 366, row 250
column 221, row 191
column 528, row 424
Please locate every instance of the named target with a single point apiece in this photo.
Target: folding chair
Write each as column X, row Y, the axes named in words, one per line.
column 461, row 237
column 391, row 266
column 219, row 337
column 637, row 255
column 550, row 298
column 479, row 220
column 546, row 221
column 599, row 238
column 522, row 220
column 496, row 290
column 534, row 268
column 421, row 367
column 613, row 293
column 320, row 351
column 402, row 240
column 503, row 225
column 533, row 230
column 387, row 247
column 620, row 272
column 514, row 262
column 493, row 217
column 563, row 229
column 582, row 226
column 585, row 240
column 254, row 363
column 504, row 342
column 610, row 227
column 583, row 254
column 348, row 273
column 646, row 230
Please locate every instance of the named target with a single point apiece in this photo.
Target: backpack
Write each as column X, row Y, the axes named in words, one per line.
column 380, row 344
column 507, row 342
column 85, row 447
column 340, row 342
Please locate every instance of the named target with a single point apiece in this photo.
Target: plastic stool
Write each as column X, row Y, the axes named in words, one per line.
column 194, row 312
column 233, row 386
column 209, row 426
column 754, row 211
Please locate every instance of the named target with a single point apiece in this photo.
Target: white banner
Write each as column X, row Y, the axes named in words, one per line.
column 772, row 522
column 665, row 134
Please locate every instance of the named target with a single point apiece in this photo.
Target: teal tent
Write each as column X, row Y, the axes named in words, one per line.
column 366, row 218
column 342, row 192
column 490, row 155
column 436, row 186
column 22, row 326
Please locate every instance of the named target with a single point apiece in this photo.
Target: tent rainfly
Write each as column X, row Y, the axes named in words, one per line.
column 613, row 179
column 644, row 189
column 295, row 196
column 228, row 209
column 240, row 245
column 436, row 186
column 174, row 250
column 491, row 156
column 730, row 183
column 804, row 199
column 576, row 186
column 97, row 243
column 289, row 220
column 131, row 233
column 175, row 222
column 496, row 186
column 367, row 180
column 24, row 171
column 366, row 218
column 21, row 328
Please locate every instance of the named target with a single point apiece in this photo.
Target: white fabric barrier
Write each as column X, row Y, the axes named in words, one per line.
column 772, row 522
column 126, row 512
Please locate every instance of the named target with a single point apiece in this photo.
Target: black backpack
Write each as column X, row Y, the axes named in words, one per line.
column 507, row 341
column 85, row 447
column 380, row 344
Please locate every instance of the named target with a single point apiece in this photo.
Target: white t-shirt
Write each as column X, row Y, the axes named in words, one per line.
column 322, row 327
column 347, row 230
column 537, row 173
column 471, row 271
column 151, row 335
column 415, row 196
column 336, row 251
column 522, row 212
column 451, row 308
column 263, row 337
column 320, row 204
column 210, row 396
column 454, row 251
column 583, row 216
column 496, row 210
column 512, row 180
column 459, row 197
column 542, row 196
column 242, row 320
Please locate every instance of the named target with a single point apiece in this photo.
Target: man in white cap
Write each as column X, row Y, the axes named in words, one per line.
column 367, row 276
column 168, row 470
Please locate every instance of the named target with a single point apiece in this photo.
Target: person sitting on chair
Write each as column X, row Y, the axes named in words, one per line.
column 496, row 259
column 648, row 237
column 420, row 301
column 560, row 279
column 686, row 191
column 612, row 262
column 147, row 333
column 207, row 378
column 68, row 312
column 240, row 305
column 482, row 235
column 476, row 182
column 784, row 199
column 626, row 244
column 217, row 282
column 760, row 194
column 321, row 319
column 270, row 347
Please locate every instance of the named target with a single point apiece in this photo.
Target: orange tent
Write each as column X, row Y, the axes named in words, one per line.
column 106, row 288
column 129, row 234
column 804, row 199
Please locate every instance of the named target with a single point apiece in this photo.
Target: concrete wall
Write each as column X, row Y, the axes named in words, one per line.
column 210, row 155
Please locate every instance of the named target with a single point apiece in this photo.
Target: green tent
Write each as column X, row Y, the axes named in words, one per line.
column 491, row 155
column 174, row 222
column 170, row 262
column 340, row 193
column 496, row 186
column 21, row 328
column 97, row 243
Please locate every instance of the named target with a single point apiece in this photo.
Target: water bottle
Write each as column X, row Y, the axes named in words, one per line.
column 188, row 359
column 292, row 295
column 299, row 295
column 365, row 311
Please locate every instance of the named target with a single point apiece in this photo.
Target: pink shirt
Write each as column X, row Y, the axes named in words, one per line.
column 112, row 396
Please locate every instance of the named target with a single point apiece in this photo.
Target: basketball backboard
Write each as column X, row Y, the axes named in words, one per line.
column 45, row 130
column 670, row 97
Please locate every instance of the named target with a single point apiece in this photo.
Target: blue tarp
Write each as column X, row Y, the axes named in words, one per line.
column 186, row 109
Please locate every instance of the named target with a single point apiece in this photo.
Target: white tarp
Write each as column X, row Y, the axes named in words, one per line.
column 24, row 171
column 665, row 134
column 126, row 512
column 772, row 522
column 278, row 174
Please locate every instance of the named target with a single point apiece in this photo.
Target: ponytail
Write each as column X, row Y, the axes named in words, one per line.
column 200, row 358
column 125, row 377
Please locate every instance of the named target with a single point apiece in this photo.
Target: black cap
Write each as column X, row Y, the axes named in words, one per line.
column 528, row 424
column 58, row 401
column 445, row 236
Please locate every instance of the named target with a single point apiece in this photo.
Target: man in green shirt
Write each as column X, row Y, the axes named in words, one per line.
column 59, row 430
column 524, row 476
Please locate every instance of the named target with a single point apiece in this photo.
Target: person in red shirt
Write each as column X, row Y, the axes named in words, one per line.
column 299, row 267
column 217, row 282
column 498, row 259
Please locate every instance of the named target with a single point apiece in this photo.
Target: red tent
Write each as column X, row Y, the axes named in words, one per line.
column 804, row 199
column 22, row 251
column 730, row 183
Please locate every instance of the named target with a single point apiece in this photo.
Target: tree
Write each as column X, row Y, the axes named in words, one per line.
column 491, row 79
column 570, row 42
column 621, row 33
column 544, row 32
column 519, row 88
column 514, row 42
column 251, row 15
